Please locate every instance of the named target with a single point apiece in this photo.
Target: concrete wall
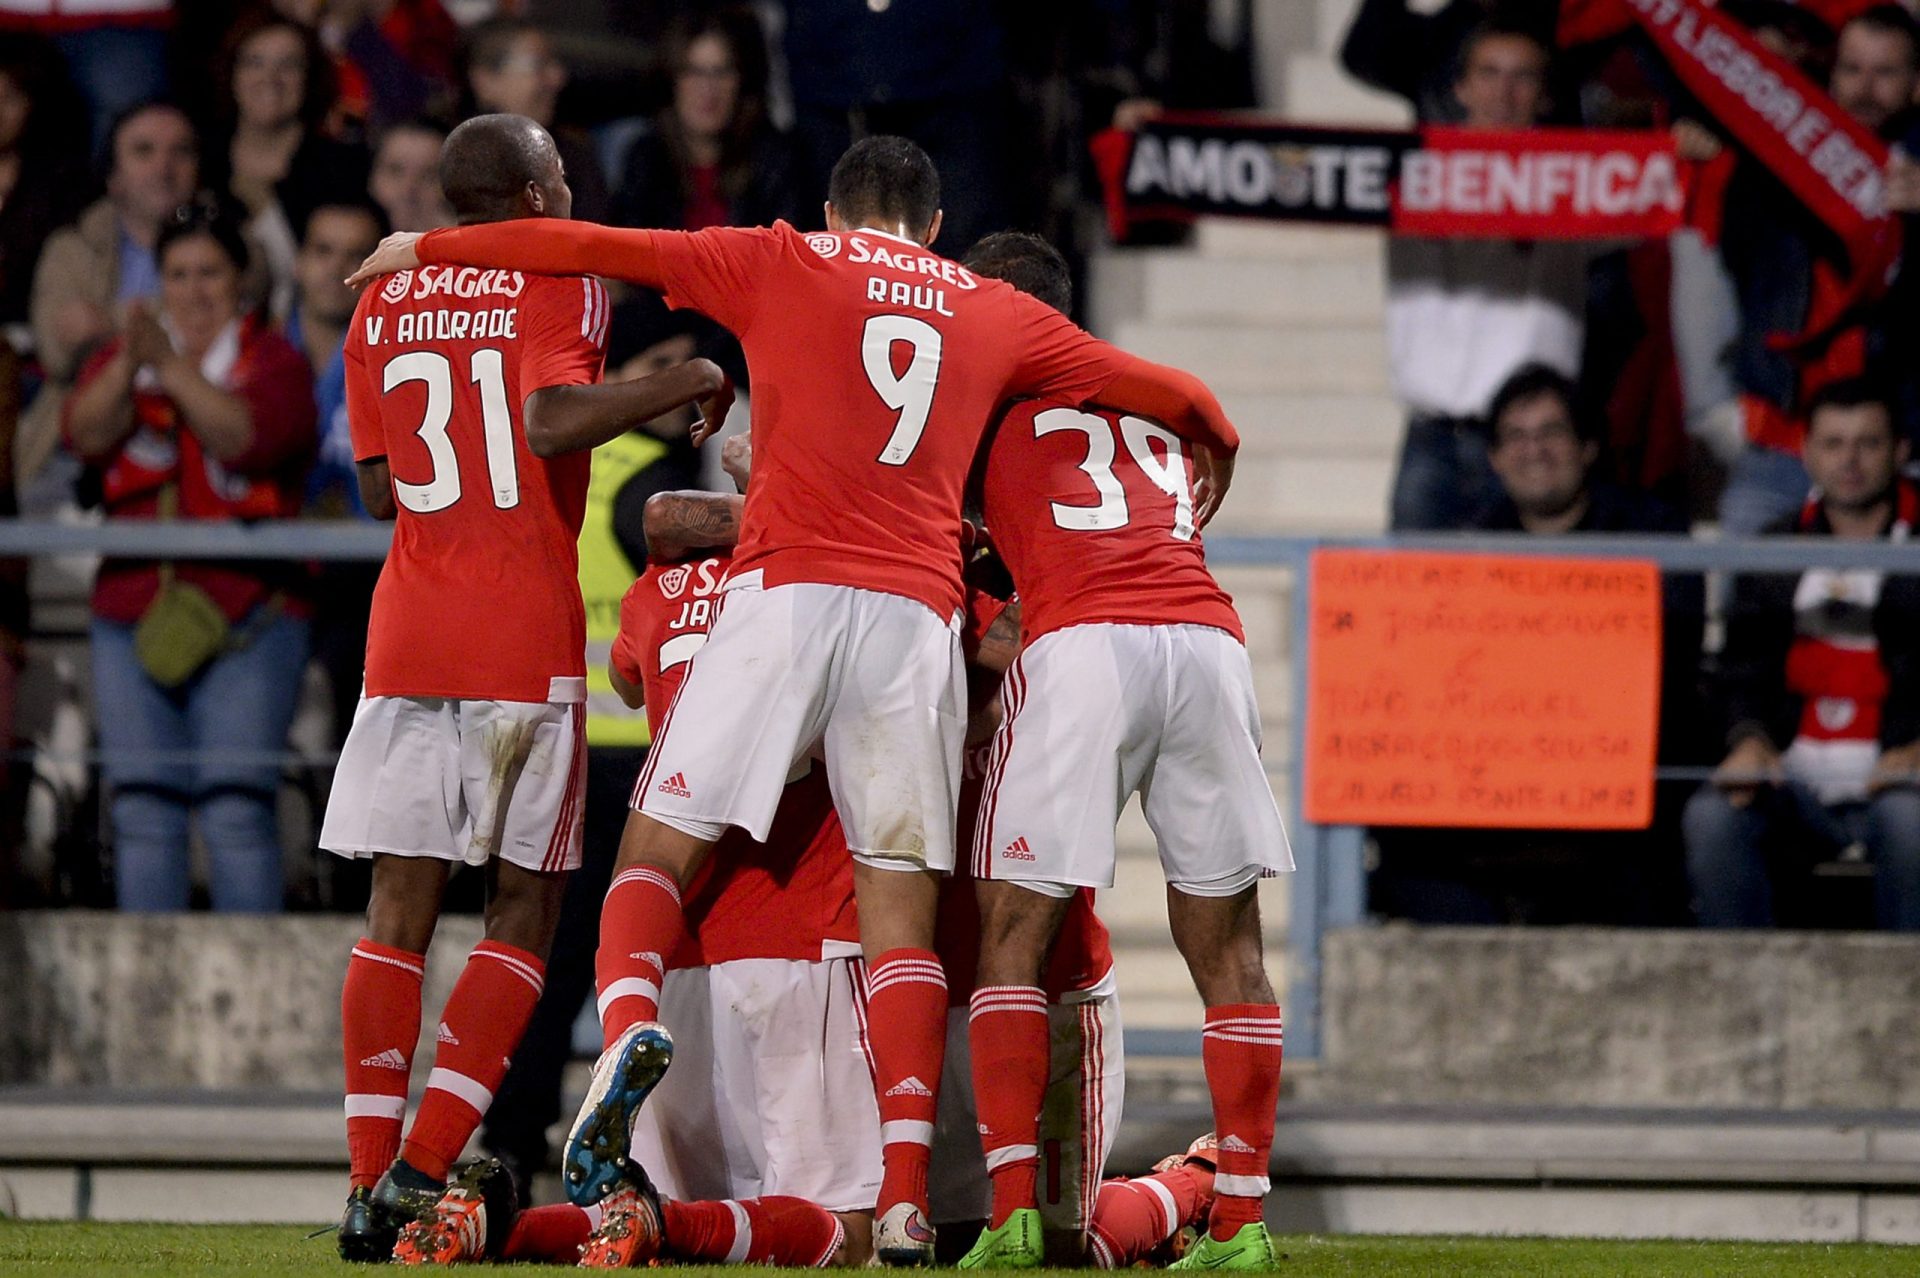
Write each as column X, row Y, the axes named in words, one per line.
column 1590, row 1017
column 204, row 1001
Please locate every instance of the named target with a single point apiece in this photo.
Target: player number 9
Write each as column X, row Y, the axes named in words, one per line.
column 910, row 394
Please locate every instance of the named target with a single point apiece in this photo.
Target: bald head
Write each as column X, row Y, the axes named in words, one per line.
column 498, row 167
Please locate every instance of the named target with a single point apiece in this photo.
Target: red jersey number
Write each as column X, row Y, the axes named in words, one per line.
column 486, row 373
column 1166, row 471
column 910, row 393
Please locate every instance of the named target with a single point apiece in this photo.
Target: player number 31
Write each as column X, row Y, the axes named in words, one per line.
column 486, row 371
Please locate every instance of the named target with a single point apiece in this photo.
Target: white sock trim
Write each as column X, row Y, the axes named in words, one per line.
column 998, row 1158
column 1167, row 1204
column 1241, row 1186
column 626, row 987
column 374, row 1105
column 742, row 1234
column 467, row 1089
column 906, row 1131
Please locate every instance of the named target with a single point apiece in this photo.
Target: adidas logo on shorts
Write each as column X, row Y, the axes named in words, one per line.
column 1017, row 850
column 1234, row 1145
column 445, row 1035
column 676, row 785
column 909, row 1086
column 389, row 1059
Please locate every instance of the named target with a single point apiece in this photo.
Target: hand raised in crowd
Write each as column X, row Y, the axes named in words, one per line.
column 147, row 342
column 78, row 324
column 1894, row 768
column 1903, row 183
column 1748, row 766
column 395, row 253
column 1694, row 141
column 1131, row 113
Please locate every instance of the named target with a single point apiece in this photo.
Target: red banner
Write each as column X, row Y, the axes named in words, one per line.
column 1519, row 184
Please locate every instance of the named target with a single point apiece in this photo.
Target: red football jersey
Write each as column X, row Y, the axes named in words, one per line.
column 877, row 367
column 1093, row 514
column 788, row 898
column 480, row 595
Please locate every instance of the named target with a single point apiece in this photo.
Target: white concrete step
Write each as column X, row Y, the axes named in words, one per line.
column 1349, row 359
column 1324, row 495
column 1345, row 289
column 1251, row 237
column 1318, row 90
column 1317, row 423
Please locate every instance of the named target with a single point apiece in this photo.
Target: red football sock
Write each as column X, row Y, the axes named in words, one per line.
column 1132, row 1217
column 479, row 1028
column 1008, row 1037
column 756, row 1231
column 907, row 1031
column 640, row 922
column 551, row 1235
column 380, row 1017
column 1240, row 1050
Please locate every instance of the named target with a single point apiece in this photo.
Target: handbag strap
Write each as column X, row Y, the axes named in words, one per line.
column 167, row 509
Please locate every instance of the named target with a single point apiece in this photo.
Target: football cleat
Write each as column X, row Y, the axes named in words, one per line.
column 1016, row 1244
column 902, row 1238
column 593, row 1163
column 469, row 1223
column 633, row 1230
column 365, row 1236
column 1251, row 1248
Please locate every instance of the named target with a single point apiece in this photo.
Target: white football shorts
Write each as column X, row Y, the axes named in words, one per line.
column 1086, row 1088
column 876, row 679
column 770, row 1090
column 1093, row 713
column 463, row 780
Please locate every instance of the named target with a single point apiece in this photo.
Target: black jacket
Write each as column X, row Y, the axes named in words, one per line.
column 1760, row 633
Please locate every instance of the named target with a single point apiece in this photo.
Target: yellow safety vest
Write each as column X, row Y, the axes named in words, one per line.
column 605, row 574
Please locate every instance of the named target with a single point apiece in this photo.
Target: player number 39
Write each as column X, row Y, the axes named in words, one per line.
column 1168, row 474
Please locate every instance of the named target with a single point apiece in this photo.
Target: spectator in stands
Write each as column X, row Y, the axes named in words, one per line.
column 197, row 412
column 89, row 271
column 1544, row 452
column 1781, row 258
column 405, row 181
column 42, row 185
column 929, row 70
column 115, row 50
column 511, row 66
column 393, row 59
column 1820, row 677
column 270, row 153
column 1461, row 314
column 1421, row 56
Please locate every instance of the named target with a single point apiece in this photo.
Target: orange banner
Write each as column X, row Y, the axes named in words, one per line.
column 1503, row 691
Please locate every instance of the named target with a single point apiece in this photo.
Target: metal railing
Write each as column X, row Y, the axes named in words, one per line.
column 1329, row 884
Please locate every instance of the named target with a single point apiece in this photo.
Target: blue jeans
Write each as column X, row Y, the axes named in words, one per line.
column 1732, row 852
column 1764, row 486
column 1444, row 480
column 207, row 749
column 116, row 68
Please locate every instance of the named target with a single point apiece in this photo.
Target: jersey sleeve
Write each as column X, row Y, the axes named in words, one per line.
column 720, row 272
column 563, row 333
column 626, row 642
column 363, row 395
column 1056, row 359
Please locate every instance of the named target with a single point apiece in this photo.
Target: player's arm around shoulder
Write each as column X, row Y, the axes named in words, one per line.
column 564, row 419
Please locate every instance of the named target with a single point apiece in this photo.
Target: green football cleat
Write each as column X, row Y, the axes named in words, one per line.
column 1251, row 1248
column 1015, row 1245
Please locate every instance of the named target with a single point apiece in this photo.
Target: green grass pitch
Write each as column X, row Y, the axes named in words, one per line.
column 47, row 1249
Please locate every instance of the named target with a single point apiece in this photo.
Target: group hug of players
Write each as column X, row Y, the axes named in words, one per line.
column 850, row 684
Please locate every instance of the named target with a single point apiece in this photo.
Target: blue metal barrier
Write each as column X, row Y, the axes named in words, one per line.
column 1329, row 885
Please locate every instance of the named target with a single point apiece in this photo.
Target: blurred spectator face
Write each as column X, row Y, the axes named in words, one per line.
column 1853, row 454
column 1539, row 456
column 1503, row 84
column 406, row 180
column 270, row 78
column 1874, row 76
column 526, row 80
column 15, row 107
column 199, row 290
column 338, row 239
column 706, row 88
column 156, row 164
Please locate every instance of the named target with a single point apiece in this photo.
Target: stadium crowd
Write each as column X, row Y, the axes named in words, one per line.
column 245, row 154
